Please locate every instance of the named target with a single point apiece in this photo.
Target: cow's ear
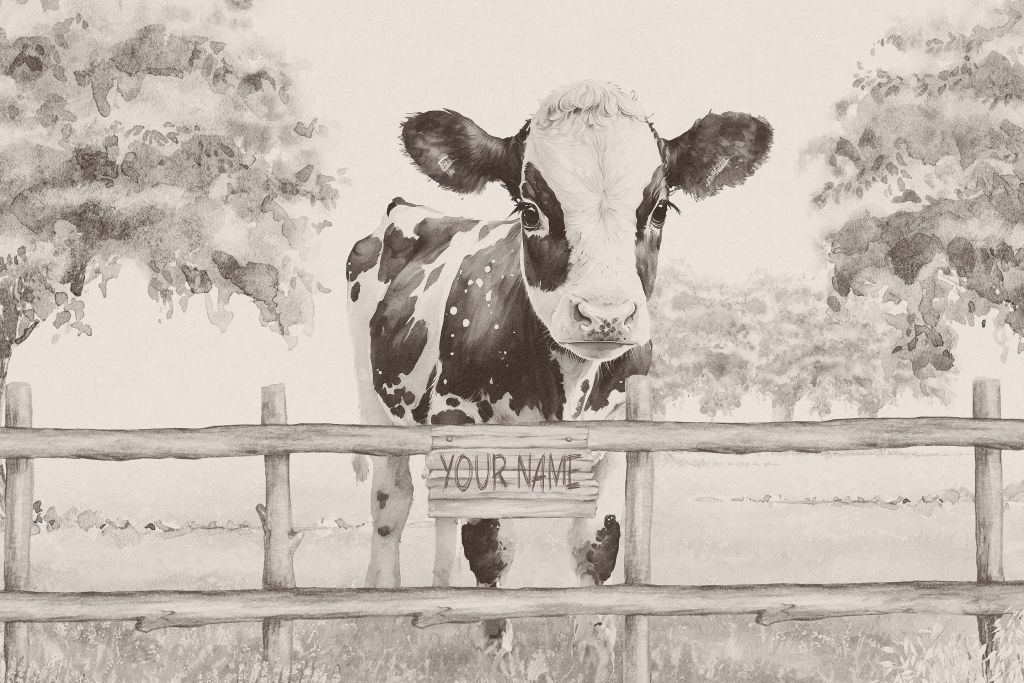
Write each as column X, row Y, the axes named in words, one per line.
column 461, row 155
column 720, row 150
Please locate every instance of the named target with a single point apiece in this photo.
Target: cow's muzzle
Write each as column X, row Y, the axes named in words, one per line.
column 604, row 323
column 600, row 331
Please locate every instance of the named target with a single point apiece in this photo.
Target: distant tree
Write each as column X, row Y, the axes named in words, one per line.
column 926, row 191
column 703, row 346
column 775, row 337
column 123, row 140
column 808, row 352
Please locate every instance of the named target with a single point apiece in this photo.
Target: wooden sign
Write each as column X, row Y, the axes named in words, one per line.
column 499, row 484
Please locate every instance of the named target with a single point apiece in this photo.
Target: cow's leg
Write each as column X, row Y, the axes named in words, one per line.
column 446, row 543
column 595, row 543
column 389, row 507
column 391, row 494
column 488, row 545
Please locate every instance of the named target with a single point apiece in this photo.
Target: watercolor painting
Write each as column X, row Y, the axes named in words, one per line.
column 539, row 342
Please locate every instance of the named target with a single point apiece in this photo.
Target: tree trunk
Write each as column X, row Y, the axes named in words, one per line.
column 390, row 501
column 782, row 409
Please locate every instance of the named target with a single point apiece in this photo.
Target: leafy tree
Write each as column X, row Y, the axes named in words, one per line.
column 125, row 140
column 808, row 352
column 925, row 194
column 703, row 343
column 774, row 337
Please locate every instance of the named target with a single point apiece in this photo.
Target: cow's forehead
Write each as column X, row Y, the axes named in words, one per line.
column 614, row 159
column 587, row 102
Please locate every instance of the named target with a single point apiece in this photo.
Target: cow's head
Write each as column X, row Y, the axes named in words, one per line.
column 591, row 180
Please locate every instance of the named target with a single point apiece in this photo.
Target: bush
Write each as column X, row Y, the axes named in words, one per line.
column 936, row 656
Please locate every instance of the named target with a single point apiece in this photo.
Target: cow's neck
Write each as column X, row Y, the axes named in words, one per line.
column 578, row 377
column 550, row 382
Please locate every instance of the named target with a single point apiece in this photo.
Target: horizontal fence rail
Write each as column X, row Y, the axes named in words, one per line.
column 735, row 438
column 772, row 603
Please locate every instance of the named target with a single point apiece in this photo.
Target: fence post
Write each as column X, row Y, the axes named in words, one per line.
column 18, row 491
column 638, row 513
column 279, row 538
column 988, row 504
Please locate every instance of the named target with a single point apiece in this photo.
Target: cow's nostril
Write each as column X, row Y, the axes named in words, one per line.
column 579, row 316
column 631, row 318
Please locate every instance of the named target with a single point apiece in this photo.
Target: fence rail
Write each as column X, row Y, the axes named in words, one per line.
column 722, row 437
column 279, row 601
column 772, row 603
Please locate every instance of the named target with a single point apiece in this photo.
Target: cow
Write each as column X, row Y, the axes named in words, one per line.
column 538, row 317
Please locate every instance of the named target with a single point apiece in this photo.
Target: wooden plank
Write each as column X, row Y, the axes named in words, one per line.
column 638, row 515
column 437, row 479
column 735, row 438
column 19, row 492
column 988, row 505
column 436, row 461
column 500, row 437
column 587, row 491
column 485, row 508
column 279, row 537
column 213, row 442
column 772, row 602
column 806, row 437
column 529, row 478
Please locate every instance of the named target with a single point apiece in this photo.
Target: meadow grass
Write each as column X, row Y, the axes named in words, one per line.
column 691, row 649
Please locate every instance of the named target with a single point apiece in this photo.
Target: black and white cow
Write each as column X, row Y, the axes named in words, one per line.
column 536, row 318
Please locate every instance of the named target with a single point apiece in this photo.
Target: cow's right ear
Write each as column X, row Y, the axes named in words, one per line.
column 461, row 155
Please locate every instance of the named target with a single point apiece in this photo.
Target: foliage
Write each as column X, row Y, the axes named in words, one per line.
column 778, row 338
column 936, row 656
column 926, row 179
column 128, row 136
column 808, row 352
column 702, row 342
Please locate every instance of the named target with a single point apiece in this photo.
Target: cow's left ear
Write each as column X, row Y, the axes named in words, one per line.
column 461, row 155
column 720, row 150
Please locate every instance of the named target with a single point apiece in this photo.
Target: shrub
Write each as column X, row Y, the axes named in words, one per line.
column 937, row 656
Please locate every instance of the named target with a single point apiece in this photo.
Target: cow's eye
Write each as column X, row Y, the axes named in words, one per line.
column 529, row 215
column 660, row 212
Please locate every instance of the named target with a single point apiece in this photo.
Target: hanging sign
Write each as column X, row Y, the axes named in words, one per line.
column 503, row 483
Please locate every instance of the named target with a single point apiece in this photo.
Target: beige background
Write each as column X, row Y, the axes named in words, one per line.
column 368, row 64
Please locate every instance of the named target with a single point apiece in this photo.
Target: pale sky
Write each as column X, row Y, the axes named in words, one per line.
column 368, row 65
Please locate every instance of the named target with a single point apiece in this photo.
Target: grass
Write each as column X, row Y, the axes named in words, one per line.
column 709, row 649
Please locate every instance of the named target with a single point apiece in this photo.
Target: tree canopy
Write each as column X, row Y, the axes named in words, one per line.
column 925, row 183
column 703, row 342
column 777, row 338
column 126, row 135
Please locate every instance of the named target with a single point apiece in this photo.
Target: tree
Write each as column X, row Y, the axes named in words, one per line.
column 703, row 344
column 925, row 197
column 128, row 140
column 778, row 338
column 808, row 352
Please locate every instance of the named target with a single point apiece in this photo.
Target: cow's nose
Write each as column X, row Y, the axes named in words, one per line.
column 602, row 322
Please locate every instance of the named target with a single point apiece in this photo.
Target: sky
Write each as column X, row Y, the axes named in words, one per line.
column 364, row 67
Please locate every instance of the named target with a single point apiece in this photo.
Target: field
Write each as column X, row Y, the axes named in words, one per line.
column 746, row 519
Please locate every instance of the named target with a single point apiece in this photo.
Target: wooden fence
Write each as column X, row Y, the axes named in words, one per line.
column 280, row 601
